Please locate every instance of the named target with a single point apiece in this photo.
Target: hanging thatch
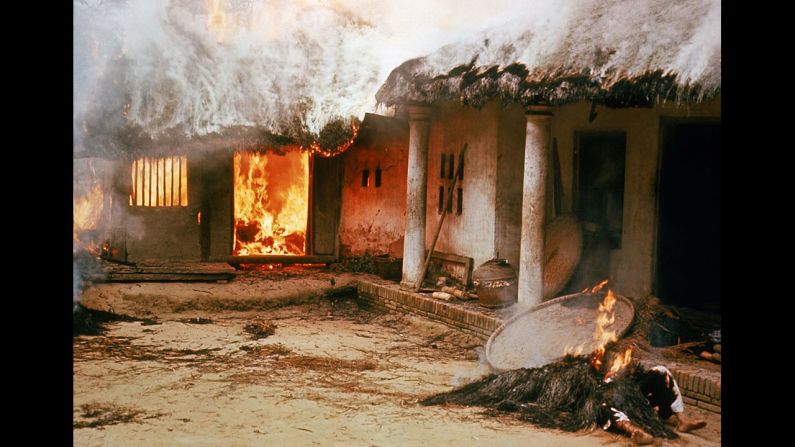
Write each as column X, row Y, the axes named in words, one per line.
column 618, row 53
column 566, row 395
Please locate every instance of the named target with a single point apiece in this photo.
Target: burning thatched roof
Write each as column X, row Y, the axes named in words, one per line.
column 155, row 75
column 616, row 52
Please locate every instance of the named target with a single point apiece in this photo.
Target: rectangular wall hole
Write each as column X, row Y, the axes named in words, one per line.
column 365, row 178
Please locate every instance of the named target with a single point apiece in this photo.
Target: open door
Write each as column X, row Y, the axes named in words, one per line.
column 599, row 165
column 689, row 222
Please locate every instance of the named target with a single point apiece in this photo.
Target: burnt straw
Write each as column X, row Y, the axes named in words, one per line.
column 566, row 395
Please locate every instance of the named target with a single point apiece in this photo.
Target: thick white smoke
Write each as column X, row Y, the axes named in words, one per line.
column 161, row 66
column 627, row 37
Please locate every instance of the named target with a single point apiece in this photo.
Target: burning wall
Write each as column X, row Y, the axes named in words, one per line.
column 92, row 197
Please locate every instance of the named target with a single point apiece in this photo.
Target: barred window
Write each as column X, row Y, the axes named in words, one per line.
column 446, row 174
column 160, row 182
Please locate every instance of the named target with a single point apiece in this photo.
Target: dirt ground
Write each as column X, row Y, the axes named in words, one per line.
column 322, row 372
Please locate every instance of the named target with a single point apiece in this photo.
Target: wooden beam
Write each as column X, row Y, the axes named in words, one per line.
column 282, row 259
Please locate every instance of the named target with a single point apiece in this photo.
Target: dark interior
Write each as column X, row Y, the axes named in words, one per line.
column 688, row 240
column 599, row 163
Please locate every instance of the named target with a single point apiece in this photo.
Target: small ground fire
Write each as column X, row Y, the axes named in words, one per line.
column 87, row 214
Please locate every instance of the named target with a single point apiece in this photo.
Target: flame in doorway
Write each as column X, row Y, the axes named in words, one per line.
column 271, row 203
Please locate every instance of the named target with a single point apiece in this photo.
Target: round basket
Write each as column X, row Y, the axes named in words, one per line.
column 562, row 252
column 540, row 335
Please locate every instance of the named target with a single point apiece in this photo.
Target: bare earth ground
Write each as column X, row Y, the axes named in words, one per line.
column 330, row 374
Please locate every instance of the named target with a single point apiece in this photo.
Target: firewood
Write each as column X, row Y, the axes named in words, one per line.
column 706, row 355
column 442, row 296
column 455, row 292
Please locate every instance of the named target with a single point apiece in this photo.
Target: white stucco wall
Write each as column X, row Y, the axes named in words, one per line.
column 472, row 233
column 631, row 267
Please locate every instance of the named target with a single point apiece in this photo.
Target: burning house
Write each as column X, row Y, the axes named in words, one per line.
column 613, row 121
column 554, row 147
column 222, row 205
column 204, row 140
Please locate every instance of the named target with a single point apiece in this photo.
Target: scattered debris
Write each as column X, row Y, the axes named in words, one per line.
column 260, row 329
column 196, row 320
column 458, row 293
column 442, row 296
column 86, row 321
column 364, row 264
column 99, row 415
column 267, row 350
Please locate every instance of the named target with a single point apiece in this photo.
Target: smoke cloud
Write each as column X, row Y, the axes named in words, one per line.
column 166, row 67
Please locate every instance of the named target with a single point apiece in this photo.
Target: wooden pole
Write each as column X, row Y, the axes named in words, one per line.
column 458, row 173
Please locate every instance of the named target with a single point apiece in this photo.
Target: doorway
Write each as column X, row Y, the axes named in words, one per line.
column 599, row 165
column 689, row 221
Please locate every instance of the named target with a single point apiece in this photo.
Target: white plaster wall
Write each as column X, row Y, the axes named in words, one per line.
column 473, row 232
column 510, row 177
column 631, row 267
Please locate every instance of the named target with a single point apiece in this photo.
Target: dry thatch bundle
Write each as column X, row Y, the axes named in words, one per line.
column 566, row 395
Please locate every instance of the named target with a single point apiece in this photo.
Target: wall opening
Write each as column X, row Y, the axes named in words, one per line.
column 689, row 221
column 160, row 182
column 271, row 203
column 599, row 165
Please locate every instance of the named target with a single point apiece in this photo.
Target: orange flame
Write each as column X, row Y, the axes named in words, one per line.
column 575, row 351
column 87, row 213
column 271, row 203
column 216, row 20
column 595, row 289
column 601, row 335
column 315, row 148
column 619, row 362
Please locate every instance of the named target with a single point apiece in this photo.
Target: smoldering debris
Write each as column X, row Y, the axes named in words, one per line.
column 98, row 415
column 362, row 264
column 86, row 321
column 260, row 329
column 565, row 395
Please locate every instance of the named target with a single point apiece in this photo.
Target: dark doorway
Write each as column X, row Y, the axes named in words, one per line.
column 688, row 237
column 599, row 164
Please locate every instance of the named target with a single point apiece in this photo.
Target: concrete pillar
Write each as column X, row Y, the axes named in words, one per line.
column 531, row 260
column 414, row 239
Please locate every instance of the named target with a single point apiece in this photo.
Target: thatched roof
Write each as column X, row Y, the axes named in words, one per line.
column 152, row 76
column 615, row 52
